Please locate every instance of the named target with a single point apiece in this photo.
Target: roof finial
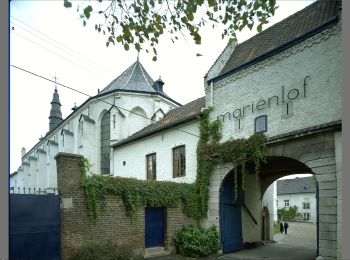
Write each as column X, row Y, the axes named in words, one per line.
column 55, row 82
column 138, row 54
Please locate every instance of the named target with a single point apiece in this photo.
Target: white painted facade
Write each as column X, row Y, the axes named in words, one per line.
column 298, row 200
column 77, row 134
column 312, row 68
column 270, row 201
column 130, row 160
column 307, row 81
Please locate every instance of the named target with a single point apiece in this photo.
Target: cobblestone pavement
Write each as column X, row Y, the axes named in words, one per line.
column 299, row 235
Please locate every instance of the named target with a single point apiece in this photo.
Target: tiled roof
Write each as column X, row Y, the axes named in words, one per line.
column 297, row 185
column 174, row 117
column 135, row 79
column 304, row 22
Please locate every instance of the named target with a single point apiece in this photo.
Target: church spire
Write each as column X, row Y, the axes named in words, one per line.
column 55, row 112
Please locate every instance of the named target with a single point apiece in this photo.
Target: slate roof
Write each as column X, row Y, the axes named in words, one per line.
column 297, row 185
column 314, row 18
column 173, row 118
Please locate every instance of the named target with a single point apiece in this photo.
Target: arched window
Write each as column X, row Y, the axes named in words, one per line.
column 105, row 143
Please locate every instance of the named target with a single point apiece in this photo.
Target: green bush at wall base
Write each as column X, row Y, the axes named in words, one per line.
column 194, row 242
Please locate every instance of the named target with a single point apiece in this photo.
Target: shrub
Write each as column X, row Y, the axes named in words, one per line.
column 193, row 241
column 107, row 251
column 288, row 214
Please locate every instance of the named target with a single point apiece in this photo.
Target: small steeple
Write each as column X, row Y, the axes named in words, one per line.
column 55, row 117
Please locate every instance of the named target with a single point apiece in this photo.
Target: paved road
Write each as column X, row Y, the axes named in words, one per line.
column 267, row 252
column 298, row 244
column 299, row 235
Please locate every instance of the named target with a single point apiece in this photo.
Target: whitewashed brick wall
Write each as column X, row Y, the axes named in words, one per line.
column 319, row 58
column 134, row 155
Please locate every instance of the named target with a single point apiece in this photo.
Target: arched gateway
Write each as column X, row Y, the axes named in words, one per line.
column 318, row 153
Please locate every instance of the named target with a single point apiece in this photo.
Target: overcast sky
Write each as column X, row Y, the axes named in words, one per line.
column 48, row 39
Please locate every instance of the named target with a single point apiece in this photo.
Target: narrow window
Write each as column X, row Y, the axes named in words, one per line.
column 151, row 166
column 179, row 161
column 261, row 124
column 286, row 203
column 114, row 121
column 63, row 140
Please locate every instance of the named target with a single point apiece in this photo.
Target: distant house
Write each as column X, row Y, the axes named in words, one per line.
column 300, row 192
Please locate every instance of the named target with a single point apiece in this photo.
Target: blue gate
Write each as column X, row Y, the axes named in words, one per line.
column 154, row 227
column 230, row 216
column 34, row 227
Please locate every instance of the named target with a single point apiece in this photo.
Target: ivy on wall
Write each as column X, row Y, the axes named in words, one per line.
column 193, row 198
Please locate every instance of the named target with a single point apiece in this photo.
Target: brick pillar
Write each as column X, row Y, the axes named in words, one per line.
column 77, row 230
column 69, row 176
column 68, row 173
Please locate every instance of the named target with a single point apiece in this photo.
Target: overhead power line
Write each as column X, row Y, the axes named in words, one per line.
column 59, row 45
column 59, row 55
column 83, row 93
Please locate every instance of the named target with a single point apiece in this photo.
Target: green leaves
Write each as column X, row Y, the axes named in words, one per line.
column 67, row 4
column 140, row 23
column 210, row 152
column 87, row 11
column 136, row 194
column 196, row 242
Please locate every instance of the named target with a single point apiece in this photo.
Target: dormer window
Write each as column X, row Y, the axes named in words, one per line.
column 158, row 85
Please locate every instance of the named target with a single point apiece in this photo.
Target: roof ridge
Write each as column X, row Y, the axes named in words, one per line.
column 132, row 73
column 142, row 70
column 116, row 79
column 283, row 20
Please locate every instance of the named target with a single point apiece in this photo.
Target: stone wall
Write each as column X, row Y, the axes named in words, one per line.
column 114, row 225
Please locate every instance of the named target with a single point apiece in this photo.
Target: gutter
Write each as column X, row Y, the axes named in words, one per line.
column 157, row 131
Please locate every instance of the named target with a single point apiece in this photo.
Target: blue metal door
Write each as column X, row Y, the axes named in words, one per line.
column 230, row 217
column 34, row 227
column 154, row 227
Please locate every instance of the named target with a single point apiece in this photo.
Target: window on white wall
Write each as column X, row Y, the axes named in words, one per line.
column 286, row 203
column 306, row 216
column 151, row 166
column 179, row 161
column 261, row 124
column 306, row 204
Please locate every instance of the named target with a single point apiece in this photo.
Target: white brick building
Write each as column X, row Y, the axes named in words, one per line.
column 300, row 192
column 126, row 105
column 285, row 82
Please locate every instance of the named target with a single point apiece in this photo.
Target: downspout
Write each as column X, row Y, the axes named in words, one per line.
column 211, row 94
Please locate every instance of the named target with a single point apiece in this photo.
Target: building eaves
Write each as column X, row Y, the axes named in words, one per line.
column 331, row 126
column 93, row 98
column 296, row 186
column 304, row 24
column 174, row 118
column 86, row 118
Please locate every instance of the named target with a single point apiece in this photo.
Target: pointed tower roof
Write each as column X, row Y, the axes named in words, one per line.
column 55, row 117
column 135, row 78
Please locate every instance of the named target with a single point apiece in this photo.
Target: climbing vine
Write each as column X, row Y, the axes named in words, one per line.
column 211, row 152
column 137, row 194
column 193, row 198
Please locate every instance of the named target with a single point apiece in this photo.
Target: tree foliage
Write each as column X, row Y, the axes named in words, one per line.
column 141, row 23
